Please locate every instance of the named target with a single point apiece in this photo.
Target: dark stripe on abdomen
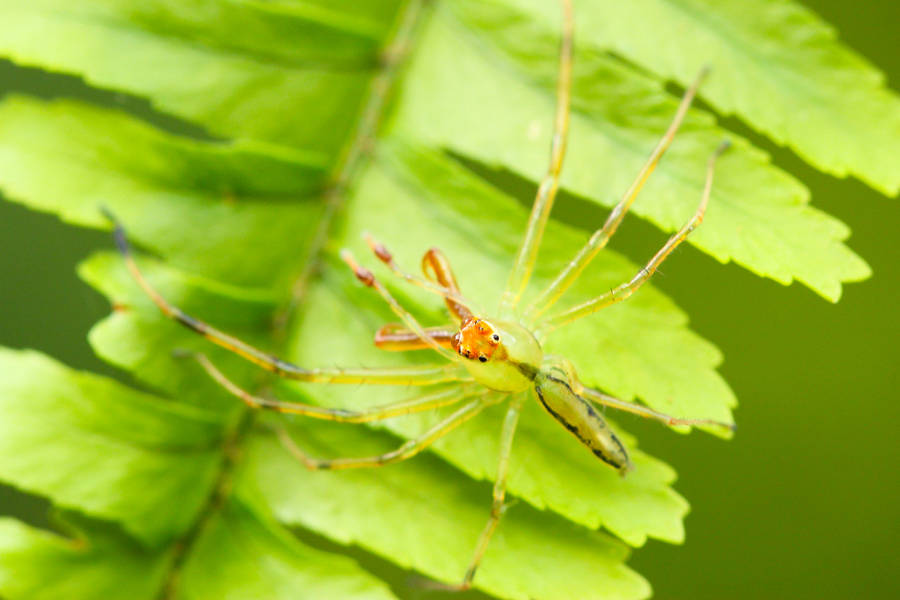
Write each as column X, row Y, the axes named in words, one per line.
column 577, row 433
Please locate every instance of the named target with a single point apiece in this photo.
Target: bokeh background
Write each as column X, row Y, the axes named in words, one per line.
column 803, row 503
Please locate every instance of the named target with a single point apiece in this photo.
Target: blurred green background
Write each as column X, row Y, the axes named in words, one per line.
column 803, row 503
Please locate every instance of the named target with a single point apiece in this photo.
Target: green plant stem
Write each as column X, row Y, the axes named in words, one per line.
column 357, row 149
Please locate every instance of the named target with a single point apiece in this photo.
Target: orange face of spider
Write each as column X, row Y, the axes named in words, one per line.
column 476, row 340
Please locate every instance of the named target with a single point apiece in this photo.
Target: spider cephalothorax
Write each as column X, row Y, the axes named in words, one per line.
column 502, row 355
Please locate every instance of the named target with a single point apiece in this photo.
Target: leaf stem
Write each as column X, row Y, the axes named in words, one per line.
column 231, row 453
column 358, row 147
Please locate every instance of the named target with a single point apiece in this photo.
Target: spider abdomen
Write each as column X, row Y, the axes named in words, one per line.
column 580, row 418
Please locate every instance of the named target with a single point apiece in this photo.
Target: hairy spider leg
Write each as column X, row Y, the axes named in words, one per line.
column 625, row 290
column 367, row 278
column 445, row 287
column 428, row 401
column 543, row 202
column 407, row 450
column 419, row 375
column 599, row 239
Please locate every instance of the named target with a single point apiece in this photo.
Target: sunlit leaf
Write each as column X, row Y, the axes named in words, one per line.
column 778, row 67
column 229, row 195
column 248, row 69
column 126, row 454
column 246, row 557
column 758, row 215
column 96, row 565
column 284, row 90
column 238, row 556
column 429, row 518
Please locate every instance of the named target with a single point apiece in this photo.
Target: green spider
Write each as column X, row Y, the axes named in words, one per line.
column 496, row 358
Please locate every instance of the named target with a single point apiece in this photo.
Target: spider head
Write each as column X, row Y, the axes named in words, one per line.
column 501, row 355
column 476, row 339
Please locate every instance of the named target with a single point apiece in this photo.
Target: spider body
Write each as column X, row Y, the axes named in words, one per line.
column 514, row 362
column 491, row 359
column 506, row 357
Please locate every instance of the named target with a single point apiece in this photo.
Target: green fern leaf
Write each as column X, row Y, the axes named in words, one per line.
column 778, row 67
column 92, row 564
column 113, row 442
column 188, row 495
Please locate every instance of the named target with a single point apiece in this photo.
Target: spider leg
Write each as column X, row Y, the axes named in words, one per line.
column 407, row 450
column 446, row 282
column 643, row 411
column 428, row 401
column 368, row 278
column 424, row 375
column 543, row 202
column 498, row 506
column 625, row 290
column 436, row 267
column 393, row 337
column 598, row 240
column 565, row 370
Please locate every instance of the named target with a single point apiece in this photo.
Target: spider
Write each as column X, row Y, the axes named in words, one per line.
column 496, row 358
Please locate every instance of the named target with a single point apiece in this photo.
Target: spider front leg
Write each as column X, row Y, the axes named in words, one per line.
column 367, row 278
column 627, row 289
column 546, row 194
column 436, row 267
column 439, row 277
column 407, row 450
column 599, row 239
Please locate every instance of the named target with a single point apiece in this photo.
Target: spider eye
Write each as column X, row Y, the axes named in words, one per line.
column 482, row 358
column 495, row 337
